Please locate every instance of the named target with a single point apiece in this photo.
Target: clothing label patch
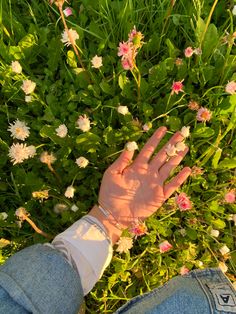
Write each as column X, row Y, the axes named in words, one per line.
column 224, row 297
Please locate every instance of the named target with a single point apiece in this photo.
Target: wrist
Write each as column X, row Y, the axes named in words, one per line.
column 109, row 223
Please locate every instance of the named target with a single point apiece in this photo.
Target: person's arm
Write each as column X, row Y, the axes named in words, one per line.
column 41, row 279
column 130, row 191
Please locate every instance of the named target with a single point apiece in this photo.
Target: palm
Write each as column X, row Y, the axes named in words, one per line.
column 137, row 190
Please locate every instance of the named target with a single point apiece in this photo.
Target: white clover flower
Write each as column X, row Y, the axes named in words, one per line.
column 62, row 130
column 170, row 150
column 185, row 131
column 231, row 87
column 73, row 37
column 28, row 86
column 47, row 158
column 180, row 146
column 3, row 216
column 147, row 126
column 123, row 110
column 234, row 10
column 16, row 67
column 82, row 162
column 96, row 62
column 131, row 146
column 215, row 233
column 74, row 208
column 19, row 130
column 83, row 123
column 224, row 250
column 19, row 152
column 124, row 244
column 28, row 98
column 31, row 150
column 59, row 208
column 21, row 212
column 70, row 192
column 223, row 267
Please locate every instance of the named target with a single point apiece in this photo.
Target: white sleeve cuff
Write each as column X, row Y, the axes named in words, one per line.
column 88, row 249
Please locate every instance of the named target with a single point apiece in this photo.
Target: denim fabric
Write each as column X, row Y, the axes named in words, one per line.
column 199, row 292
column 37, row 280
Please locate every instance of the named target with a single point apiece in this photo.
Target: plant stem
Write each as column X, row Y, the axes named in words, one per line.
column 70, row 37
column 208, row 22
column 36, row 229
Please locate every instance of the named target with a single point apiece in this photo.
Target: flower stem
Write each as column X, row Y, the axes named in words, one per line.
column 208, row 22
column 70, row 37
column 36, row 229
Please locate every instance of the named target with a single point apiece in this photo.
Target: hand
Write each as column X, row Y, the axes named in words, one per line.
column 133, row 190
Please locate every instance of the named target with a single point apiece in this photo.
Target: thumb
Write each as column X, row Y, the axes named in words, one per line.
column 122, row 161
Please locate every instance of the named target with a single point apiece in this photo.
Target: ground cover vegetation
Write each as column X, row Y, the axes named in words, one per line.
column 81, row 79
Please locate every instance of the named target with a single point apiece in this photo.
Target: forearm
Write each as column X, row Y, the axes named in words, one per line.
column 113, row 231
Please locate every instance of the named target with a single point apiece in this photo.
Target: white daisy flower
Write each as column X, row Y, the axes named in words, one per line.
column 123, row 110
column 82, row 162
column 131, row 146
column 28, row 86
column 73, row 37
column 70, row 192
column 96, row 62
column 19, row 130
column 62, row 130
column 16, row 67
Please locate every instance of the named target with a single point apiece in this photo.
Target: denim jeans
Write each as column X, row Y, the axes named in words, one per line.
column 39, row 280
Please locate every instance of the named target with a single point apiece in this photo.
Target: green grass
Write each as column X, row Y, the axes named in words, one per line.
column 30, row 32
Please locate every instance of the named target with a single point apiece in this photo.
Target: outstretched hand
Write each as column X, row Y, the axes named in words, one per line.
column 135, row 189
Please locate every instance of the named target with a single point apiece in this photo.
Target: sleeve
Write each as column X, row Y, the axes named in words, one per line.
column 87, row 248
column 38, row 279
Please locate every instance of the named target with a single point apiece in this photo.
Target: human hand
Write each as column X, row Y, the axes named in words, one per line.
column 134, row 190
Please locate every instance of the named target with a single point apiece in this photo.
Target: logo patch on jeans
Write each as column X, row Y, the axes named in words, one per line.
column 224, row 297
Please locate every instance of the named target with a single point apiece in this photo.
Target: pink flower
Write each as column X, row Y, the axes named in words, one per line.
column 125, row 49
column 188, row 52
column 183, row 202
column 67, row 11
column 139, row 228
column 203, row 114
column 177, row 87
column 183, row 270
column 230, row 197
column 231, row 88
column 126, row 64
column 165, row 246
column 178, row 62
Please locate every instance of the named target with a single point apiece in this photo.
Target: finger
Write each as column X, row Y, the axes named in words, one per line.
column 149, row 148
column 176, row 182
column 170, row 165
column 122, row 161
column 161, row 156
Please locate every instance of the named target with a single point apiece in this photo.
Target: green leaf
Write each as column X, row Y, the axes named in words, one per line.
column 122, row 80
column 210, row 41
column 191, row 233
column 49, row 131
column 216, row 158
column 106, row 88
column 218, row 224
column 203, row 131
column 174, row 123
column 87, row 141
column 71, row 59
column 200, row 29
column 228, row 163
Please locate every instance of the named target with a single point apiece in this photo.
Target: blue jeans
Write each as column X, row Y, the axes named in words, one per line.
column 38, row 279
